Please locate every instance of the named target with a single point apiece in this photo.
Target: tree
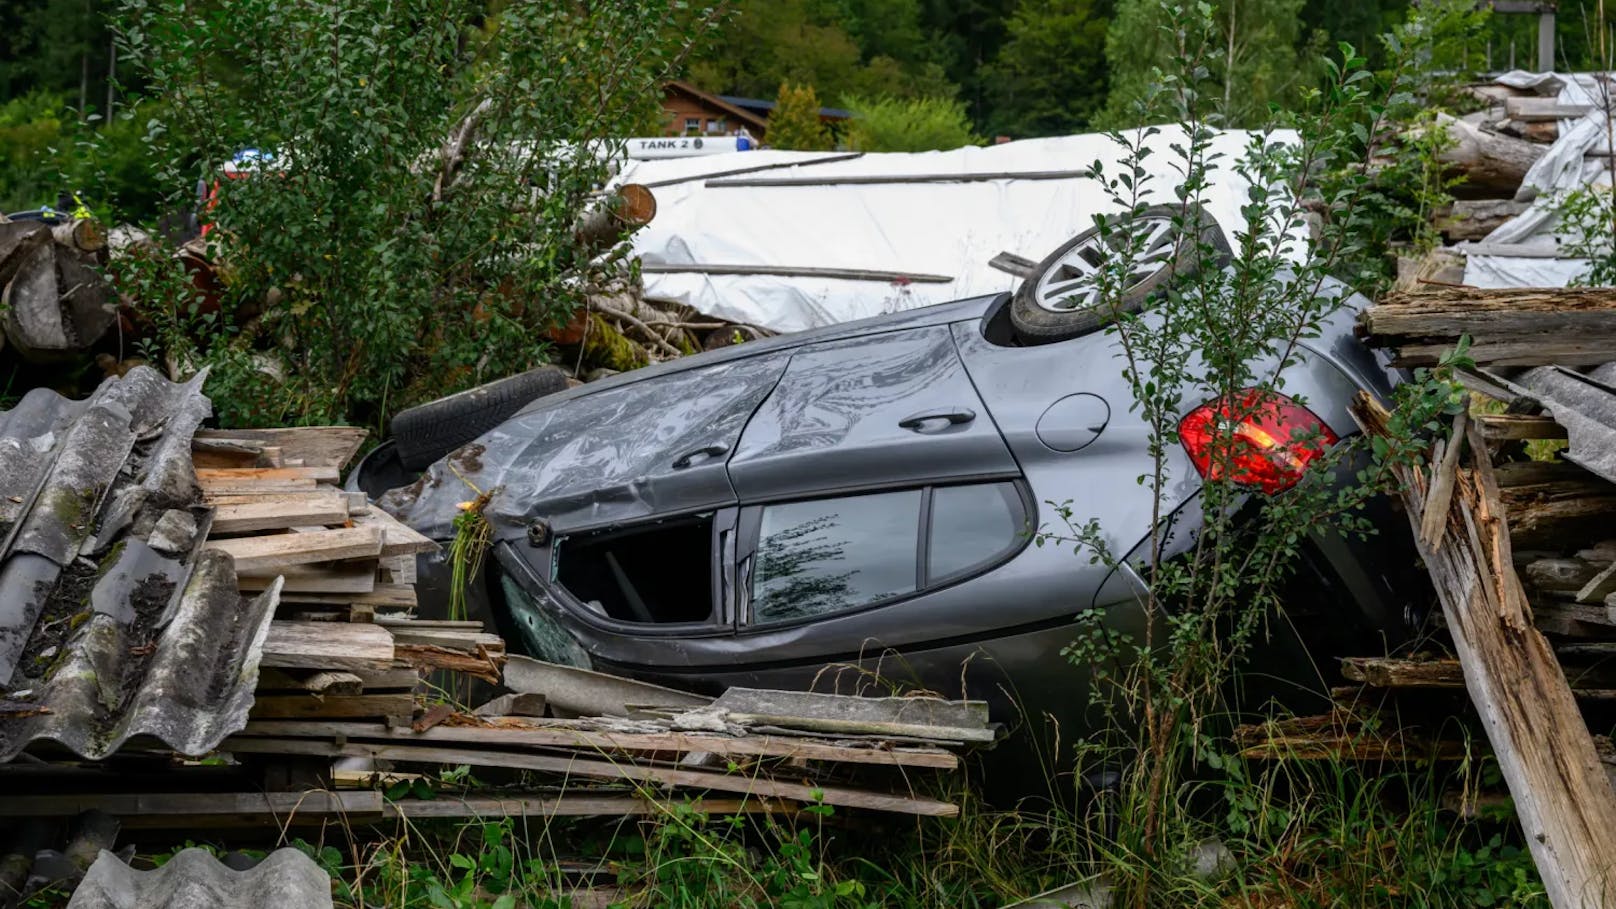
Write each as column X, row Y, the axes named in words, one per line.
column 794, row 123
column 908, row 125
column 842, row 47
column 1253, row 57
column 1049, row 77
column 410, row 232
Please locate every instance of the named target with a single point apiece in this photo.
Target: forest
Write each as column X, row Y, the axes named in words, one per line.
column 1013, row 68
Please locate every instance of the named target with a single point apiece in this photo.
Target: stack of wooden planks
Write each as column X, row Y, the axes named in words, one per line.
column 343, row 643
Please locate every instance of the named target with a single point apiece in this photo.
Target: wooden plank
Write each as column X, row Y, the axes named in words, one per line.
column 310, row 495
column 1564, row 800
column 316, row 446
column 397, row 539
column 345, row 579
column 389, row 596
column 214, row 491
column 502, row 806
column 1497, row 427
column 240, row 476
column 1525, row 327
column 516, row 732
column 325, row 508
column 573, row 766
column 1388, row 672
column 313, row 645
column 259, row 554
column 170, row 805
column 447, row 638
column 1446, row 466
column 298, row 706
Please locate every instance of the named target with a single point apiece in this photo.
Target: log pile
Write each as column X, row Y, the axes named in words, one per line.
column 55, row 301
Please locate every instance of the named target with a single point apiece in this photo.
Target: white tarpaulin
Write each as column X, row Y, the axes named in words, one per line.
column 1579, row 157
column 851, row 212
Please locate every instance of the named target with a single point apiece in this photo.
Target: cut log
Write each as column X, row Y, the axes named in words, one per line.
column 271, row 553
column 1529, row 108
column 1474, row 219
column 83, row 235
column 1488, row 161
column 1529, row 327
column 1566, row 575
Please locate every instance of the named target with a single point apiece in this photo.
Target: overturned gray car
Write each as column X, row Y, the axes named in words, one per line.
column 855, row 507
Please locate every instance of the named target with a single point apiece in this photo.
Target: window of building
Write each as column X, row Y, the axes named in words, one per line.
column 715, row 125
column 658, row 574
column 692, row 125
column 973, row 527
column 833, row 554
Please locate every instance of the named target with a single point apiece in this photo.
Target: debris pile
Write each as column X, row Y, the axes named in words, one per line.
column 56, row 302
column 222, row 637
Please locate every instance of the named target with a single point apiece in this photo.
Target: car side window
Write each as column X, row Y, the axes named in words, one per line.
column 652, row 574
column 973, row 527
column 828, row 555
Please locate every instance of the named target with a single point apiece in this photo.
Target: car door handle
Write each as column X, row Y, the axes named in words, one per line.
column 702, row 453
column 937, row 420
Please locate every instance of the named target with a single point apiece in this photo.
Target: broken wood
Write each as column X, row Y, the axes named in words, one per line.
column 1564, row 801
column 316, row 446
column 1488, row 161
column 1474, row 219
column 1574, row 326
column 277, row 513
column 1500, row 427
column 1389, row 672
column 297, row 706
column 1530, row 107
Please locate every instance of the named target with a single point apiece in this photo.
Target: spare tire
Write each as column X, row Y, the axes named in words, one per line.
column 426, row 433
column 1059, row 300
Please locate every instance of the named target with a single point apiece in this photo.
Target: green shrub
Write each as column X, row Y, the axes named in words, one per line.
column 890, row 124
column 413, row 234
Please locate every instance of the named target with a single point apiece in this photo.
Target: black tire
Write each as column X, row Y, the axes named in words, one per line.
column 426, row 433
column 1035, row 324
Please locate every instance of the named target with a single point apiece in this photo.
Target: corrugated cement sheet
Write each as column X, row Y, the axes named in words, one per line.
column 194, row 879
column 113, row 621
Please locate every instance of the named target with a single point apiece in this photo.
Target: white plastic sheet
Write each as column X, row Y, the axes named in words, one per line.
column 939, row 228
column 1578, row 158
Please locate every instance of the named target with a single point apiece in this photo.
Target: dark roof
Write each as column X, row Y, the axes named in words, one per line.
column 755, row 120
column 762, row 107
column 114, row 622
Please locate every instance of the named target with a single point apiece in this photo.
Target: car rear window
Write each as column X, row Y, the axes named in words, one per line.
column 973, row 527
column 833, row 554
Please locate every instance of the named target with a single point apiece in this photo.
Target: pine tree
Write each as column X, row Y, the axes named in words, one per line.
column 1049, row 77
column 794, row 123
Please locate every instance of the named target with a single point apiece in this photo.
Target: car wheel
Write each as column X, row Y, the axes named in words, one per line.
column 1060, row 299
column 426, row 433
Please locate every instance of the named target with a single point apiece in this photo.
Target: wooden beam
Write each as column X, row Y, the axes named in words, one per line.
column 345, row 580
column 1574, row 326
column 1528, row 108
column 1501, row 427
column 1388, row 672
column 308, row 706
column 237, row 476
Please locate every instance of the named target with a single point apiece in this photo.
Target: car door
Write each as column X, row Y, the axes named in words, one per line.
column 887, row 409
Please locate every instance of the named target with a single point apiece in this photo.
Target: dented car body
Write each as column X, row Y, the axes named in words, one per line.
column 853, row 508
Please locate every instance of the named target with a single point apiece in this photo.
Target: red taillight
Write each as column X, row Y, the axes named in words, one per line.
column 1268, row 438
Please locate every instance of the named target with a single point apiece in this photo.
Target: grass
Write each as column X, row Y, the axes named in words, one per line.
column 1292, row 833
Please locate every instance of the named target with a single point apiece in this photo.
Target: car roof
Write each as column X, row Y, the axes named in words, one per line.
column 936, row 314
